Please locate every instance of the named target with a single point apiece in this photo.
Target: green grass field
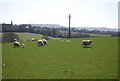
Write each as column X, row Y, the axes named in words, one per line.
column 100, row 35
column 28, row 36
column 62, row 60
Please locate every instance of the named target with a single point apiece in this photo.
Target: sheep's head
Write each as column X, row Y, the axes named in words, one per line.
column 15, row 40
column 91, row 41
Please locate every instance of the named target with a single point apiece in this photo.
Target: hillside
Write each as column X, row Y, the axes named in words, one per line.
column 28, row 36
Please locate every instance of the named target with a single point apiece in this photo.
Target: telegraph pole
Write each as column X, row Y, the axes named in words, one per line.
column 69, row 24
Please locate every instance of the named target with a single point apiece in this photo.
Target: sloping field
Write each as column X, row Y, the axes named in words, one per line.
column 28, row 36
column 62, row 60
column 100, row 35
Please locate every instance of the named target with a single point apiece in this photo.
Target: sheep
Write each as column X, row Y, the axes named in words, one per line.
column 62, row 40
column 67, row 40
column 15, row 43
column 15, row 40
column 44, row 41
column 86, row 42
column 40, row 43
column 33, row 39
column 23, row 45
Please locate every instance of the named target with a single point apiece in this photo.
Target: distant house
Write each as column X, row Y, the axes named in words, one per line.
column 7, row 27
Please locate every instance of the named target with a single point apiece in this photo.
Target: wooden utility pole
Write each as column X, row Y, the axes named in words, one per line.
column 69, row 24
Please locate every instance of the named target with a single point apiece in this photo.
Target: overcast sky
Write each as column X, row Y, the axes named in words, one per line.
column 84, row 13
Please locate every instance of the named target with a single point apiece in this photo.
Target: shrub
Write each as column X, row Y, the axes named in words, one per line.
column 9, row 37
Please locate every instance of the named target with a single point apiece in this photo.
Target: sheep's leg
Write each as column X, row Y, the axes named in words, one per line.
column 83, row 45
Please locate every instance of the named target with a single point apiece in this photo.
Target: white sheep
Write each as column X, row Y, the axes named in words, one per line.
column 44, row 41
column 68, row 41
column 15, row 43
column 33, row 39
column 23, row 45
column 62, row 40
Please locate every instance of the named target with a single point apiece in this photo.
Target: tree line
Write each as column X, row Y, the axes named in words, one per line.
column 55, row 32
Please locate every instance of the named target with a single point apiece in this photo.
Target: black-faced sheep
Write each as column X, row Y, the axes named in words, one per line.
column 44, row 41
column 40, row 43
column 15, row 43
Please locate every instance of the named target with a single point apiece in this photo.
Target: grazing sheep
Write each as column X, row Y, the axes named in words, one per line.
column 23, row 45
column 40, row 43
column 14, row 40
column 33, row 39
column 62, row 40
column 15, row 43
column 86, row 42
column 67, row 40
column 44, row 41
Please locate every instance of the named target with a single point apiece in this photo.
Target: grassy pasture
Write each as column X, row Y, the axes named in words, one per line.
column 100, row 35
column 28, row 36
column 62, row 60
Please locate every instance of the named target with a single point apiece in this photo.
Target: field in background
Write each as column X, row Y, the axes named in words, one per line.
column 100, row 35
column 28, row 36
column 62, row 60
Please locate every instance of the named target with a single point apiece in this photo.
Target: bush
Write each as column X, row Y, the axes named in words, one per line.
column 9, row 37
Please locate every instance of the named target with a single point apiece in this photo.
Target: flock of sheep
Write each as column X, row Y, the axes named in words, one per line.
column 44, row 42
column 40, row 43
